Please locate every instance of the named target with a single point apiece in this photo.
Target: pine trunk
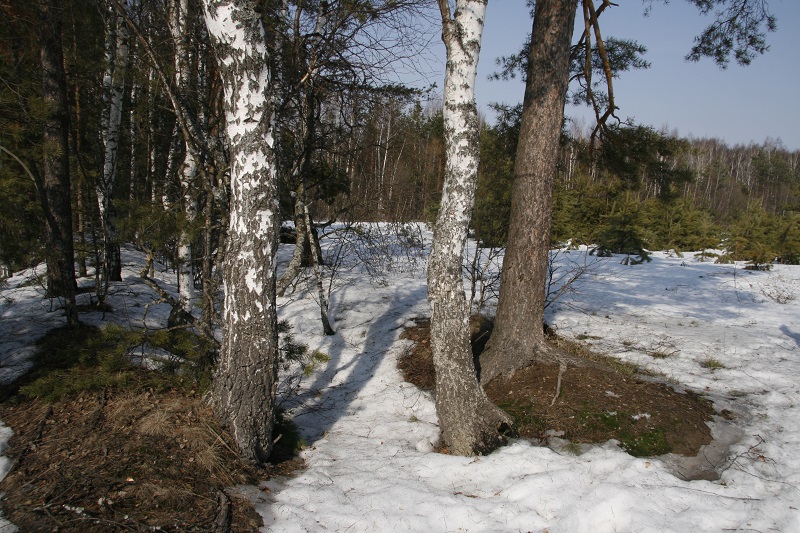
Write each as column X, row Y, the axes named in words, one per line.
column 245, row 381
column 470, row 423
column 518, row 337
column 56, row 197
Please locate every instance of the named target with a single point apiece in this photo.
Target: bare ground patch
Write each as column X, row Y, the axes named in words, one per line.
column 123, row 461
column 593, row 404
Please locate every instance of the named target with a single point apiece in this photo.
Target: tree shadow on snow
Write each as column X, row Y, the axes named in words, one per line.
column 363, row 340
column 792, row 335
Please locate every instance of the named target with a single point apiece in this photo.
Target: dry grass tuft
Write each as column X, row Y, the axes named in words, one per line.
column 156, row 423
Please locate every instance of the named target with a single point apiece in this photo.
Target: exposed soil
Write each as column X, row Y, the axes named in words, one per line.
column 123, row 461
column 593, row 404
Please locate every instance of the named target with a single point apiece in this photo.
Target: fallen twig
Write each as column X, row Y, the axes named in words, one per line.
column 562, row 367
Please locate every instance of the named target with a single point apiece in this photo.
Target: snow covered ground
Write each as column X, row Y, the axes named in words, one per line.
column 715, row 329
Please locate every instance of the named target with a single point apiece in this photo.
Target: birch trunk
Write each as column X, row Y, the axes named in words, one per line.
column 114, row 91
column 316, row 255
column 518, row 337
column 179, row 28
column 133, row 134
column 245, row 381
column 470, row 423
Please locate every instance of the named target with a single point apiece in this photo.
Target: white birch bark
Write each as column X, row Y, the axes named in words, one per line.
column 152, row 152
column 179, row 28
column 117, row 57
column 470, row 423
column 244, row 384
column 133, row 134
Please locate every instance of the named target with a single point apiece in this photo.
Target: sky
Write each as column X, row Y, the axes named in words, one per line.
column 739, row 105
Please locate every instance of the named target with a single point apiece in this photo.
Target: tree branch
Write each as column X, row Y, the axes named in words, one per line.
column 196, row 140
column 23, row 165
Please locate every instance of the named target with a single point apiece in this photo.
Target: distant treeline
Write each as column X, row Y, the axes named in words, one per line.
column 637, row 188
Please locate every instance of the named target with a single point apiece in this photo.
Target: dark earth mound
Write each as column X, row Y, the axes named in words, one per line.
column 595, row 403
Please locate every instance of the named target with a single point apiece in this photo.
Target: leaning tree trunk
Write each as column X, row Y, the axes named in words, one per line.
column 244, row 385
column 518, row 337
column 55, row 190
column 470, row 423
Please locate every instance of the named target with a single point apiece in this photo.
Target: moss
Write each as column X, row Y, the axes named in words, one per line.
column 646, row 444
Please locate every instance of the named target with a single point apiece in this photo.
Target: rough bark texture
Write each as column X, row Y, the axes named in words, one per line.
column 470, row 423
column 244, row 385
column 316, row 255
column 302, row 250
column 518, row 337
column 56, row 197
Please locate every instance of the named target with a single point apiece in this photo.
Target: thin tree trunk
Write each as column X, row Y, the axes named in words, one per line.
column 470, row 423
column 208, row 286
column 518, row 336
column 77, row 149
column 132, row 132
column 300, row 255
column 245, row 382
column 316, row 255
column 180, row 28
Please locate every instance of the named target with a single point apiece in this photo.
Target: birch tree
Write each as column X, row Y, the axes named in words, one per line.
column 470, row 423
column 179, row 26
column 117, row 58
column 244, row 385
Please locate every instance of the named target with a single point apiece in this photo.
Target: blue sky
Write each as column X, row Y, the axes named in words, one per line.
column 738, row 105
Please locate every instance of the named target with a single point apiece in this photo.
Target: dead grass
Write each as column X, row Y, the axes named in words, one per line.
column 121, row 461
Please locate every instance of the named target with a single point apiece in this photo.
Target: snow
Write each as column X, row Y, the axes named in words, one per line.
column 369, row 435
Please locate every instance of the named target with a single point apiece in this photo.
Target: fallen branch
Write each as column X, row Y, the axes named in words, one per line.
column 223, row 520
column 562, row 367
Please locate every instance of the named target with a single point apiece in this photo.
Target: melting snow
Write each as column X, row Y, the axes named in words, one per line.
column 369, row 435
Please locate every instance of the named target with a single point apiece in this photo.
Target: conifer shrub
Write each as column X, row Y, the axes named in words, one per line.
column 69, row 362
column 622, row 234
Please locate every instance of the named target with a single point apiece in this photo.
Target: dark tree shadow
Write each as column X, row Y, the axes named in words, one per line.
column 792, row 335
column 329, row 397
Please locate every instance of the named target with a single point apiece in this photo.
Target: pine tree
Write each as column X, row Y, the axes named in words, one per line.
column 623, row 233
column 787, row 239
column 752, row 238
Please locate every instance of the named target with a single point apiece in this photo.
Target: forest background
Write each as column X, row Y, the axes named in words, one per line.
column 377, row 155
